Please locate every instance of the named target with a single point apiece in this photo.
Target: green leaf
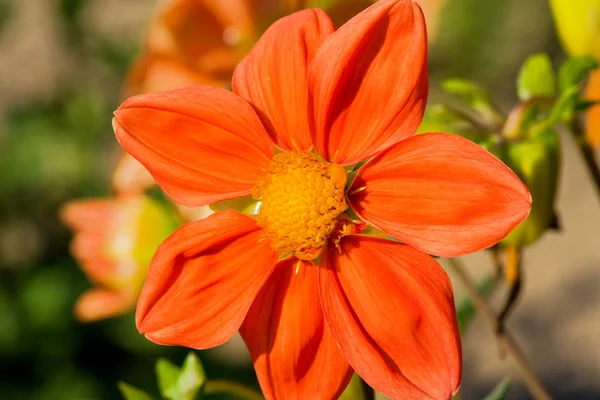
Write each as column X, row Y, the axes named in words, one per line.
column 563, row 110
column 477, row 97
column 466, row 311
column 354, row 390
column 500, row 390
column 166, row 374
column 471, row 92
column 189, row 381
column 131, row 393
column 574, row 70
column 536, row 78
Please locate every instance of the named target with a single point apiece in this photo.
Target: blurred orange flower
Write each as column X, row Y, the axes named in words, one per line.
column 200, row 42
column 592, row 115
column 312, row 296
column 114, row 242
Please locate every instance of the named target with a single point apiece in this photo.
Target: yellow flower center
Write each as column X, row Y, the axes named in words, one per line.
column 302, row 198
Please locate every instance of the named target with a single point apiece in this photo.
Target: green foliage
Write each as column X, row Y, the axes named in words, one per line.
column 477, row 97
column 536, row 78
column 354, row 390
column 537, row 162
column 472, row 93
column 180, row 384
column 174, row 383
column 499, row 392
column 131, row 393
column 574, row 71
column 167, row 374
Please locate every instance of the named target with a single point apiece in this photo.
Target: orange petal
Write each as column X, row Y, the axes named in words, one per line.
column 592, row 115
column 440, row 193
column 98, row 304
column 202, row 281
column 194, row 28
column 368, row 82
column 294, row 354
column 130, row 177
column 159, row 74
column 273, row 76
column 391, row 311
column 88, row 214
column 202, row 145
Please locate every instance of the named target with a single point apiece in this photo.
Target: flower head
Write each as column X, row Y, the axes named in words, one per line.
column 115, row 240
column 313, row 297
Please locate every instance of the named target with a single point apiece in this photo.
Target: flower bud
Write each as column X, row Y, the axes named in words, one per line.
column 536, row 161
column 115, row 239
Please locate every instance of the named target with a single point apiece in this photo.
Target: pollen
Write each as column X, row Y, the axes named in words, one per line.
column 302, row 198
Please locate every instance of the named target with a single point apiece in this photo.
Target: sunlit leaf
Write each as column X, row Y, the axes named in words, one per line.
column 131, row 393
column 476, row 96
column 574, row 70
column 189, row 381
column 166, row 374
column 536, row 78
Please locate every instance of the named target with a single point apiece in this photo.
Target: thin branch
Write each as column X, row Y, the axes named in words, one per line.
column 504, row 338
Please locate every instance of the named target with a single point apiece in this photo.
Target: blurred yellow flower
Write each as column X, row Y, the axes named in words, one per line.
column 578, row 25
column 115, row 239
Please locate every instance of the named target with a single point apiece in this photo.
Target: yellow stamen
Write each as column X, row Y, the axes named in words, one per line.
column 302, row 198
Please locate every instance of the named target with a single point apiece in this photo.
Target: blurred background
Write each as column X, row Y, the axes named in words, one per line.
column 62, row 68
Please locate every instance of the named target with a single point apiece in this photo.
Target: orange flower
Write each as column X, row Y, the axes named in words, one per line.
column 314, row 298
column 200, row 42
column 115, row 240
column 592, row 115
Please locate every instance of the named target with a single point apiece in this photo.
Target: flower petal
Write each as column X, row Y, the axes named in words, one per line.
column 98, row 304
column 592, row 114
column 273, row 76
column 294, row 354
column 440, row 193
column 390, row 309
column 368, row 82
column 202, row 281
column 158, row 74
column 130, row 177
column 202, row 145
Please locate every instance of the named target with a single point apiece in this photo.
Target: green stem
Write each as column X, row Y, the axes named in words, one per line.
column 232, row 388
column 574, row 126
